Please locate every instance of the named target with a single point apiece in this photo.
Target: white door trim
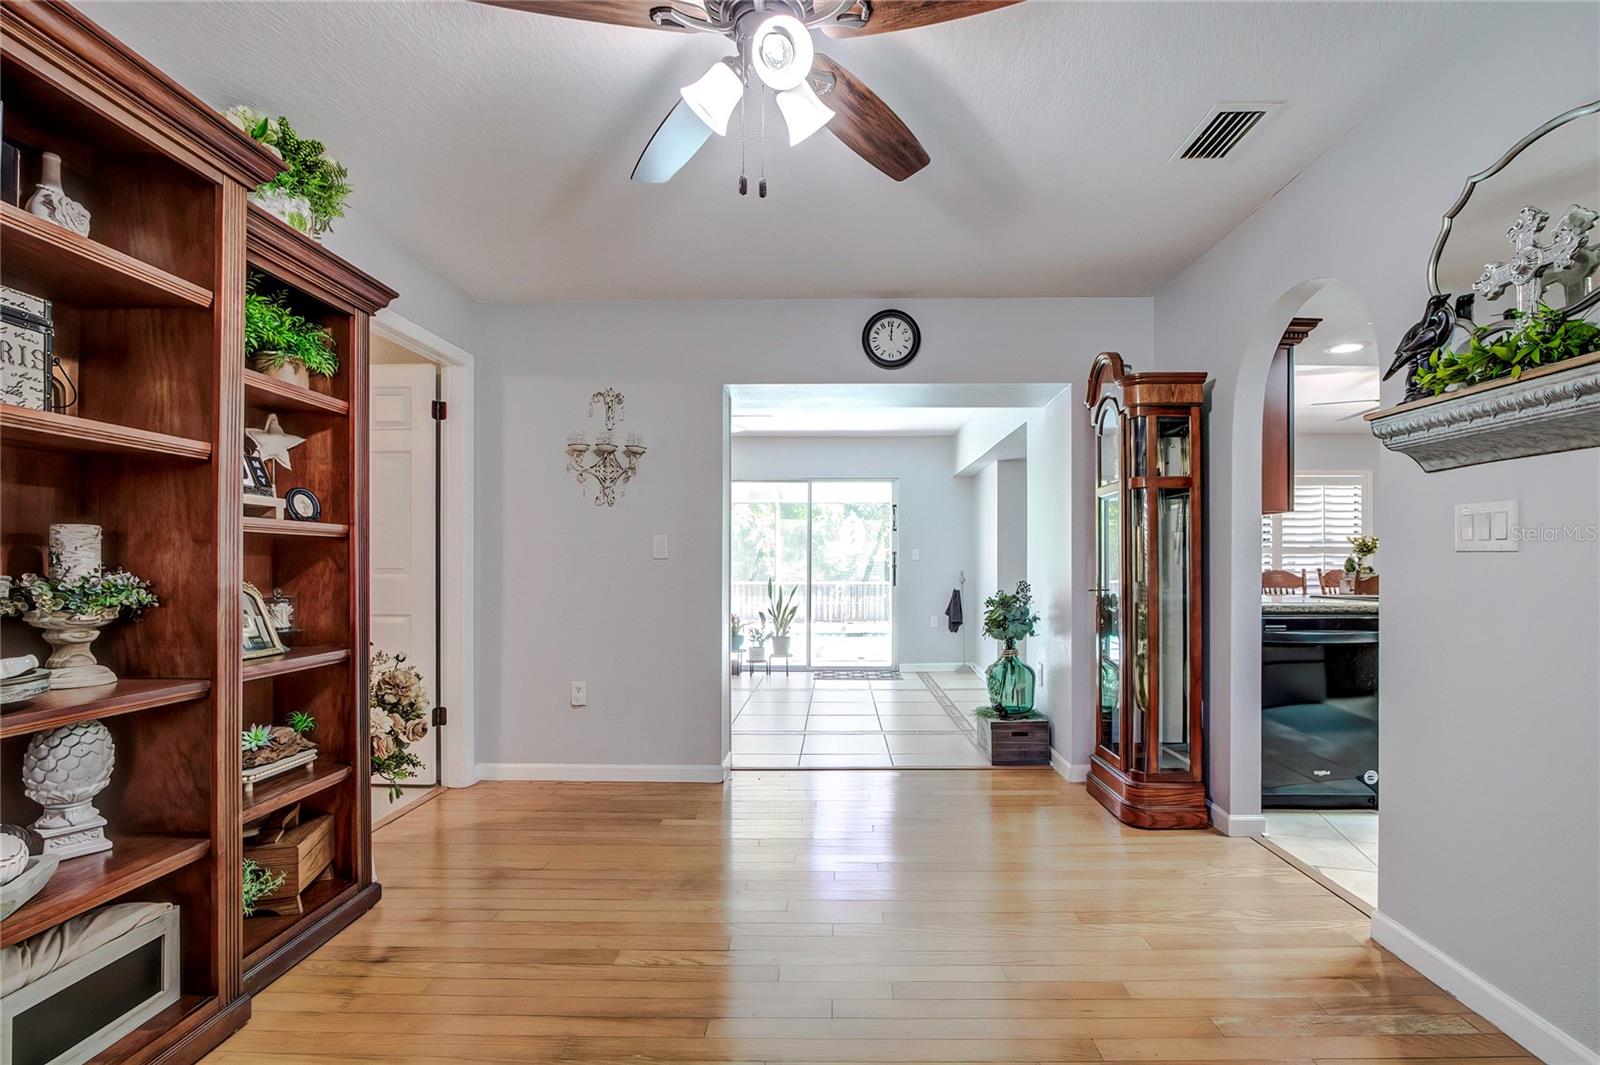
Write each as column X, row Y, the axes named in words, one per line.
column 457, row 650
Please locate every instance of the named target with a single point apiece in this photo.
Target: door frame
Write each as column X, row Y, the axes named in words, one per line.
column 459, row 762
column 894, row 548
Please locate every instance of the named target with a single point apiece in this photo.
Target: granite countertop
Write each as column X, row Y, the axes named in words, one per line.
column 1319, row 604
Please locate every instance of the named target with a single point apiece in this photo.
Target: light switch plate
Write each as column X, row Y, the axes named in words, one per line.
column 916, row 554
column 580, row 693
column 1490, row 526
column 658, row 546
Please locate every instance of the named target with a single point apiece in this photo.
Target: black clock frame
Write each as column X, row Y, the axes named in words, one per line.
column 866, row 339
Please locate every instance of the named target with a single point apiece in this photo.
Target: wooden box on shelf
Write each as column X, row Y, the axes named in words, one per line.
column 301, row 850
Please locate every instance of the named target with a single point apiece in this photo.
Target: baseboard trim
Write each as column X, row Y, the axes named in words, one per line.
column 1074, row 774
column 1237, row 824
column 572, row 771
column 930, row 667
column 1537, row 1035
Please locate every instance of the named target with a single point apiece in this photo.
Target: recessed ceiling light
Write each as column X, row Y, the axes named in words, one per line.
column 1344, row 349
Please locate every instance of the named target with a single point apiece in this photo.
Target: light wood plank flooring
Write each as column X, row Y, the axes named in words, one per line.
column 921, row 916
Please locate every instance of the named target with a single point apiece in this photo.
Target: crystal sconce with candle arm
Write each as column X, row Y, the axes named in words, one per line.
column 609, row 470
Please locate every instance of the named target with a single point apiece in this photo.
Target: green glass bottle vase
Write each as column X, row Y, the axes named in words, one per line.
column 1010, row 682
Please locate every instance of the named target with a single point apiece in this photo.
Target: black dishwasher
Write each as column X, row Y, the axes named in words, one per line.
column 1319, row 709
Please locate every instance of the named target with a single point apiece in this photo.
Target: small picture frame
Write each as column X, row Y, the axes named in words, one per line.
column 259, row 638
column 301, row 504
column 257, row 481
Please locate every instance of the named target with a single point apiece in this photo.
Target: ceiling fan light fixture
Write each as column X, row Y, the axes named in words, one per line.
column 1345, row 349
column 781, row 52
column 803, row 112
column 714, row 96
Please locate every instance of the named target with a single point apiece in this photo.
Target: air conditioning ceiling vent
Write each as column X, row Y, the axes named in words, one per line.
column 1223, row 129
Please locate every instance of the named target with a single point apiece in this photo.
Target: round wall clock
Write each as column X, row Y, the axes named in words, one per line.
column 301, row 505
column 891, row 339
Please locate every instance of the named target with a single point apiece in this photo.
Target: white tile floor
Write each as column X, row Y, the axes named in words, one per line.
column 796, row 722
column 1341, row 846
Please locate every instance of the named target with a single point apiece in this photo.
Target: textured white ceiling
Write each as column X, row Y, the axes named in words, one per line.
column 496, row 145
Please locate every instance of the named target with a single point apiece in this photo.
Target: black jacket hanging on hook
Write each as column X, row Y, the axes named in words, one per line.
column 953, row 611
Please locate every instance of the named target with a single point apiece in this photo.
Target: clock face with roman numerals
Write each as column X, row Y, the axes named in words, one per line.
column 891, row 339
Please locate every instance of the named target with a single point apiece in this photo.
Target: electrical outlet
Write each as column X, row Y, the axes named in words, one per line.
column 658, row 546
column 1040, row 672
column 933, row 621
column 916, row 554
column 580, row 693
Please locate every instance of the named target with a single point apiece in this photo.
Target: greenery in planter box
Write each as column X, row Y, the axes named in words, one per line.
column 276, row 335
column 258, row 884
column 1493, row 352
column 310, row 173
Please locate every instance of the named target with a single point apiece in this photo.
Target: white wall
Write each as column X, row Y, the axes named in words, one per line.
column 1490, row 878
column 935, row 509
column 568, row 590
column 1343, row 453
column 985, row 569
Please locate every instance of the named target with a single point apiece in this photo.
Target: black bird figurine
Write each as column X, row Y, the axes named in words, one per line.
column 1424, row 338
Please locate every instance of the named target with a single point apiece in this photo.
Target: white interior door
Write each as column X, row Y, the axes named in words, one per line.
column 404, row 540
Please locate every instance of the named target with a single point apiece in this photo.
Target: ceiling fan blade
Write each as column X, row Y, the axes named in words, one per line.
column 674, row 143
column 865, row 123
column 610, row 12
column 886, row 15
column 1343, row 402
column 1357, row 414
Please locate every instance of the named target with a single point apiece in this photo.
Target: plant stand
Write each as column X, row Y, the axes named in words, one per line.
column 1014, row 740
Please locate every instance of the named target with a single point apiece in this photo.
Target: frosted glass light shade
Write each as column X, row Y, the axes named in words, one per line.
column 714, row 96
column 803, row 112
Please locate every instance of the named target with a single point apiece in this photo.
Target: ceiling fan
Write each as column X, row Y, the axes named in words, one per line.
column 775, row 52
column 1368, row 406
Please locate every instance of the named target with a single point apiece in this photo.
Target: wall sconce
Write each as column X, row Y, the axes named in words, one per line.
column 610, row 472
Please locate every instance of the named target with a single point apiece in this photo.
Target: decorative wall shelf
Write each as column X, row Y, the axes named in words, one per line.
column 56, row 263
column 128, row 695
column 260, row 390
column 1548, row 410
column 21, row 427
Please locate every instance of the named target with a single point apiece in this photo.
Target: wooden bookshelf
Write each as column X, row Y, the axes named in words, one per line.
column 128, row 695
column 148, row 312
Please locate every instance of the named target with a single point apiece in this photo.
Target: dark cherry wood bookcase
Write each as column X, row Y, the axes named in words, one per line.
column 149, row 320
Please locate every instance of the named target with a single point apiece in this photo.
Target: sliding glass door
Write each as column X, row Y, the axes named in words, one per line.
column 833, row 543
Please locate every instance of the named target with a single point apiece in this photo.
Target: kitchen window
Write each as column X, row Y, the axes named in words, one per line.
column 1329, row 508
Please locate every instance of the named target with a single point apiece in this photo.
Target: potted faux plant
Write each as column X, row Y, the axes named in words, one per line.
column 1009, row 617
column 70, row 613
column 312, row 190
column 736, row 633
column 780, row 614
column 758, row 644
column 1356, row 571
column 284, row 344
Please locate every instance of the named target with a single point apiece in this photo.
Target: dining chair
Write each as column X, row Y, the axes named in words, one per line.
column 1332, row 581
column 1283, row 582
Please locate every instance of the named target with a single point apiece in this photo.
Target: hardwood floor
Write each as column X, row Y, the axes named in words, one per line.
column 932, row 916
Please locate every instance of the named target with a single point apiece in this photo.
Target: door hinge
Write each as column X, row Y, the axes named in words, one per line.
column 440, row 410
column 894, row 569
column 441, row 716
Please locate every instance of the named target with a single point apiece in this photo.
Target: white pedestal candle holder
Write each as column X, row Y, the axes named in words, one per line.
column 63, row 770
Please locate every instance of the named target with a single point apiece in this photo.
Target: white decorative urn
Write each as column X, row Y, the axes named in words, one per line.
column 13, row 857
column 63, row 770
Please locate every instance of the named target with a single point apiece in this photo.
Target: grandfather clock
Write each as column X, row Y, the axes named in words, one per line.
column 1149, row 761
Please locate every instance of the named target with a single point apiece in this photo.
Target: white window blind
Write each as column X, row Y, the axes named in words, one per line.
column 1329, row 508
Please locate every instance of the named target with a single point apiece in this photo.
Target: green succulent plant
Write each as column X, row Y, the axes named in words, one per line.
column 302, row 722
column 781, row 610
column 116, row 593
column 255, row 737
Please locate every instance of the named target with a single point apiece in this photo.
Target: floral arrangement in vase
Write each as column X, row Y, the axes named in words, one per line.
column 1361, row 549
column 70, row 614
column 735, row 632
column 1009, row 617
column 399, row 710
column 312, row 190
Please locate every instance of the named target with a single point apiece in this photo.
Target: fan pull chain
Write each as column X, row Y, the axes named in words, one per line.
column 761, row 153
column 744, row 134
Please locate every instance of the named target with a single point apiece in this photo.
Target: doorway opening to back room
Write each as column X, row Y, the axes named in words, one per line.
column 867, row 524
column 1320, row 597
